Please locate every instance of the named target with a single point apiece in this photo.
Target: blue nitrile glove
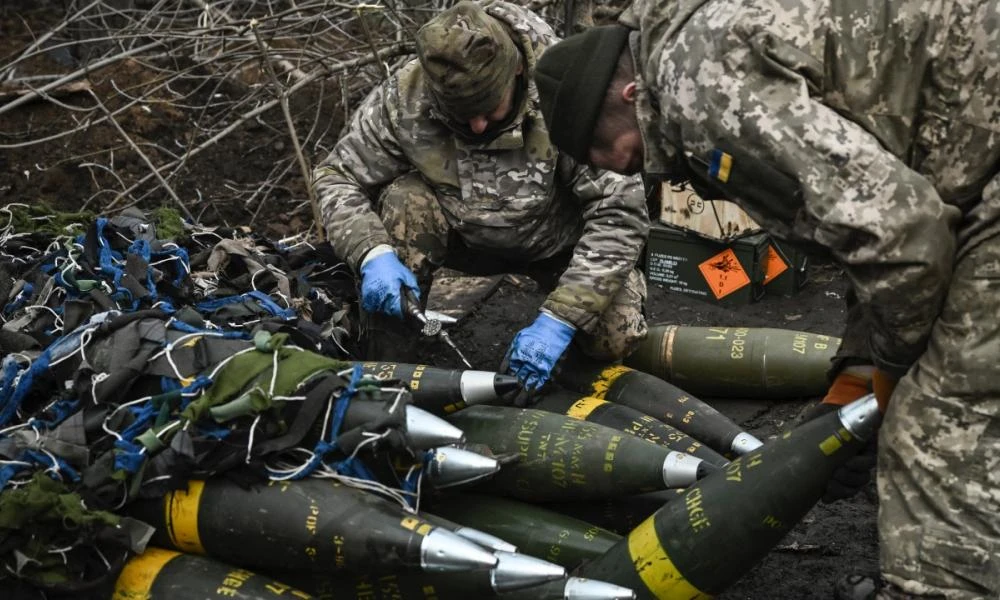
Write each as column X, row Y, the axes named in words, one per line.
column 536, row 348
column 382, row 280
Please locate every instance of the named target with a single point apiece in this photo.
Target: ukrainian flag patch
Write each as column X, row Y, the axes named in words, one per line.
column 720, row 165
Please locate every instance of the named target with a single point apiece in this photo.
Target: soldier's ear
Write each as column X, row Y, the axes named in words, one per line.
column 628, row 93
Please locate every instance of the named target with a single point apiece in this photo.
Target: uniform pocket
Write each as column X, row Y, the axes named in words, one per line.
column 958, row 562
column 967, row 334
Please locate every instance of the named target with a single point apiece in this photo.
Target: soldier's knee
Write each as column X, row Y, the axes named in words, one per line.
column 405, row 193
column 614, row 341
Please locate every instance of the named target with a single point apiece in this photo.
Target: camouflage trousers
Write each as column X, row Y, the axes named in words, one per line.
column 425, row 242
column 939, row 447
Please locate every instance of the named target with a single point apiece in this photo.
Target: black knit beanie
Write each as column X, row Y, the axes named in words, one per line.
column 572, row 77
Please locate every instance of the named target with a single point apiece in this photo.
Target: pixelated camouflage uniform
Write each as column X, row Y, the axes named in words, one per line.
column 512, row 199
column 870, row 130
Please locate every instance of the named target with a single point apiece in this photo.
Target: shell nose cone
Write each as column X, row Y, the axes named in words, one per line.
column 744, row 443
column 486, row 540
column 580, row 588
column 517, row 571
column 504, row 384
column 442, row 551
column 681, row 470
column 479, row 387
column 456, row 466
column 861, row 417
column 424, row 430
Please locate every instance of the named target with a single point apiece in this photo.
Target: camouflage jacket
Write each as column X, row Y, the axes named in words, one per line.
column 824, row 121
column 514, row 196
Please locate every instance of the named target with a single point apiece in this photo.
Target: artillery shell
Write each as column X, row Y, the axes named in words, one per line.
column 451, row 467
column 307, row 524
column 699, row 546
column 159, row 574
column 425, row 430
column 627, row 419
column 536, row 530
column 573, row 588
column 738, row 362
column 444, row 391
column 619, row 515
column 562, row 458
column 512, row 572
column 663, row 401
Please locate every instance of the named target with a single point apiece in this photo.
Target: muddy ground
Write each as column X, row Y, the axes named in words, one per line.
column 832, row 541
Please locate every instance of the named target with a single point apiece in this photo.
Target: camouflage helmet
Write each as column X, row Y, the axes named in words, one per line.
column 469, row 59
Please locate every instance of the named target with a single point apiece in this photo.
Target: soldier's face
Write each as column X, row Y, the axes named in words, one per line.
column 479, row 124
column 622, row 153
column 617, row 142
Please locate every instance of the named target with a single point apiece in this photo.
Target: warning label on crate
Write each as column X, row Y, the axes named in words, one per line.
column 775, row 264
column 665, row 269
column 724, row 273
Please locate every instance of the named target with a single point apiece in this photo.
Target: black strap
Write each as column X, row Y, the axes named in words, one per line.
column 316, row 399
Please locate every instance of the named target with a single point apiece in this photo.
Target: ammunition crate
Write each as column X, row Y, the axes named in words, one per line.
column 728, row 273
column 787, row 269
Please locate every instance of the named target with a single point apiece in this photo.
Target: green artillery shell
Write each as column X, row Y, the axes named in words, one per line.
column 159, row 574
column 667, row 403
column 343, row 586
column 513, row 572
column 620, row 515
column 627, row 419
column 486, row 540
column 562, row 458
column 307, row 524
column 573, row 588
column 443, row 391
column 698, row 546
column 738, row 362
column 535, row 530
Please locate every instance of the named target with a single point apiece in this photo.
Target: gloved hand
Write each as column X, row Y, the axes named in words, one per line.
column 883, row 384
column 536, row 348
column 847, row 479
column 846, row 388
column 382, row 280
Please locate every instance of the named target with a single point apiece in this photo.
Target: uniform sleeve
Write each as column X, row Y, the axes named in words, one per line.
column 614, row 232
column 884, row 222
column 366, row 157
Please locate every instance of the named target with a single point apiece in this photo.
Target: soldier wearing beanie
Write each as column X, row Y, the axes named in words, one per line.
column 869, row 131
column 449, row 163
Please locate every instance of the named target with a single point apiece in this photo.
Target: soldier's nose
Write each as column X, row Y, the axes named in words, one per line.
column 478, row 124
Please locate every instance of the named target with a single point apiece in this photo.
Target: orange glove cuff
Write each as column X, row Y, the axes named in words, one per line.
column 883, row 385
column 846, row 388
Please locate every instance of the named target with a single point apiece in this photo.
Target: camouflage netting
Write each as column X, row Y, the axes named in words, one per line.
column 133, row 363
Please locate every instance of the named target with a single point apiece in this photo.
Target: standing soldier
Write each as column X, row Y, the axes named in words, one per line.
column 869, row 130
column 455, row 150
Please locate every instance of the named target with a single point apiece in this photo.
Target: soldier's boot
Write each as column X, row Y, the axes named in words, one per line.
column 388, row 339
column 865, row 587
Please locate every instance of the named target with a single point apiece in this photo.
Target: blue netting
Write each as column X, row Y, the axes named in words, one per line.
column 260, row 298
column 20, row 300
column 348, row 466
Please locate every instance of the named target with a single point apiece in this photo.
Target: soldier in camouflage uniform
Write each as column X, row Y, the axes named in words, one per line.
column 870, row 131
column 456, row 152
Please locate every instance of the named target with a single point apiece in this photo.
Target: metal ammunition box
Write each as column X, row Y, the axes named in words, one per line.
column 730, row 273
column 786, row 269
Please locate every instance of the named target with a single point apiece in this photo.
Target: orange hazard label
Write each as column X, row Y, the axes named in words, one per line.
column 775, row 264
column 724, row 273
